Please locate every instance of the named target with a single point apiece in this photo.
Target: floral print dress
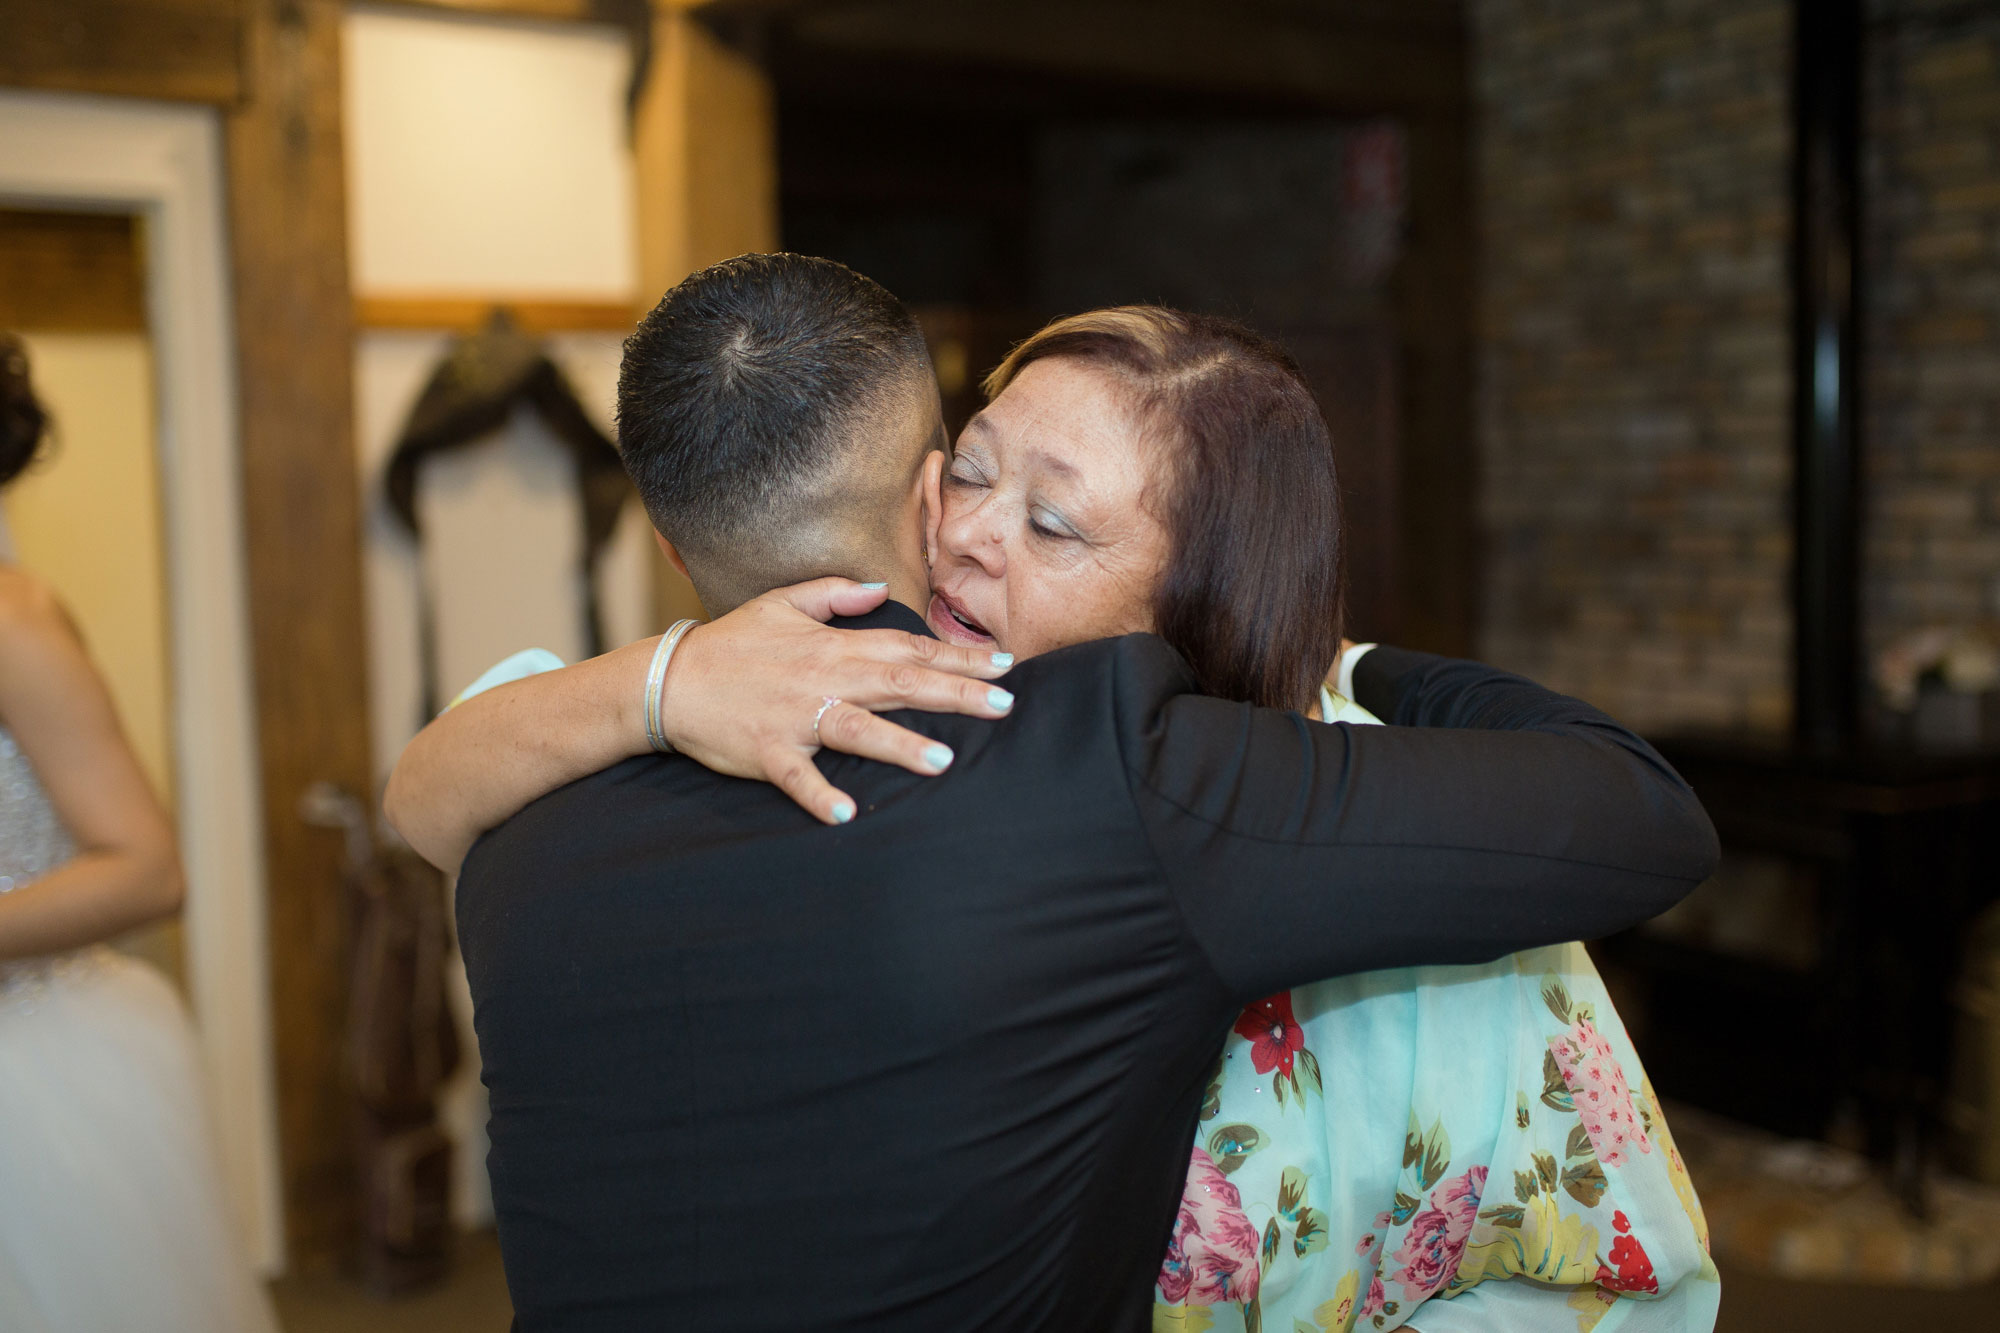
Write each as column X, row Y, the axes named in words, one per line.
column 1447, row 1148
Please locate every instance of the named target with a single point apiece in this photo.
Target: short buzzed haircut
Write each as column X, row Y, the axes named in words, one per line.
column 751, row 398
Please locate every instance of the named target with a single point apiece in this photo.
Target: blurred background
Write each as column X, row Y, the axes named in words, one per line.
column 1660, row 340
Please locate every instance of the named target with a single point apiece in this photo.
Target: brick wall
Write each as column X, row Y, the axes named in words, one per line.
column 1633, row 165
column 1933, row 239
column 1633, row 160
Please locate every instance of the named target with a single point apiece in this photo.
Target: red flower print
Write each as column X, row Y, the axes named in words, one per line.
column 1633, row 1267
column 1275, row 1037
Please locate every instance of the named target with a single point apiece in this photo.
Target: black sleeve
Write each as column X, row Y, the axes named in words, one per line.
column 1496, row 816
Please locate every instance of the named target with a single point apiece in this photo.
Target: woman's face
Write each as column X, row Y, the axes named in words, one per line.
column 1045, row 536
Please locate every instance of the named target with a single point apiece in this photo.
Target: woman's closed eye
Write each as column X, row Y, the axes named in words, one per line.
column 1051, row 526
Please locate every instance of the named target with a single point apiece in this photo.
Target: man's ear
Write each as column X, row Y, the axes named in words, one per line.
column 933, row 505
column 673, row 556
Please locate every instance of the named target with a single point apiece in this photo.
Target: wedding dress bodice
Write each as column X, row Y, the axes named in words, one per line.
column 33, row 840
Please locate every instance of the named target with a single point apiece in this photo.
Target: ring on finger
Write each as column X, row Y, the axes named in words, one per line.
column 825, row 703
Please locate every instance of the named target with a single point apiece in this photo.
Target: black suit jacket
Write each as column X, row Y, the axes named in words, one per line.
column 939, row 1069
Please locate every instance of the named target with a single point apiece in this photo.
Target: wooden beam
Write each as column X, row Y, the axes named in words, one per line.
column 71, row 272
column 287, row 223
column 705, row 144
column 569, row 11
column 705, row 149
column 468, row 314
column 181, row 50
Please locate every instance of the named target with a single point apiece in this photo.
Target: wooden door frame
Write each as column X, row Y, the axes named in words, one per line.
column 286, row 193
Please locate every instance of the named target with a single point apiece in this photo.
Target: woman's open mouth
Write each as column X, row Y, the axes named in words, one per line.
column 952, row 624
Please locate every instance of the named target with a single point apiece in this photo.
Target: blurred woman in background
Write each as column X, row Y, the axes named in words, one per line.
column 112, row 1214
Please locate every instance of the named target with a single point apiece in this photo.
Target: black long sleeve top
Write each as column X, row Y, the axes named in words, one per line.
column 939, row 1068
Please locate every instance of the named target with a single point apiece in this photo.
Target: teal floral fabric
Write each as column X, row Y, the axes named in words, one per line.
column 1438, row 1148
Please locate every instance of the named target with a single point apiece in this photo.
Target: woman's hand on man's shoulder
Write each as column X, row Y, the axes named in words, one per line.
column 757, row 692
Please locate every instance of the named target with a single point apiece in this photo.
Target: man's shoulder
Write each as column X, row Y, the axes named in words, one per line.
column 1081, row 714
column 1139, row 671
column 1128, row 681
column 643, row 802
column 1098, row 689
column 1141, row 666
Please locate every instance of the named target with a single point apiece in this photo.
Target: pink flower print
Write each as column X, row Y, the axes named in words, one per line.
column 1365, row 1244
column 1459, row 1199
column 1212, row 1254
column 1376, row 1298
column 1430, row 1251
column 1597, row 1085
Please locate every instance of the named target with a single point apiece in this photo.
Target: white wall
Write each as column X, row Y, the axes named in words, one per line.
column 485, row 158
column 488, row 155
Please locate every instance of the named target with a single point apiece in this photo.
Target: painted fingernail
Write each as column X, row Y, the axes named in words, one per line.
column 872, row 586
column 938, row 757
column 843, row 811
column 1003, row 659
column 999, row 699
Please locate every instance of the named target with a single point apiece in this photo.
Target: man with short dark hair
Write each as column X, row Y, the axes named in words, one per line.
column 940, row 1068
column 767, row 412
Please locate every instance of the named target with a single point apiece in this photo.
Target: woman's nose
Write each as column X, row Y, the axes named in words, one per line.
column 971, row 535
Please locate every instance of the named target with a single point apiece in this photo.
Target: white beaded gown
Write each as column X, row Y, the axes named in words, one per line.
column 112, row 1214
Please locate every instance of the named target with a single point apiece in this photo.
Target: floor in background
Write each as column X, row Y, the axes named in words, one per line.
column 1753, row 1303
column 473, row 1299
column 1809, row 1212
column 1775, row 1205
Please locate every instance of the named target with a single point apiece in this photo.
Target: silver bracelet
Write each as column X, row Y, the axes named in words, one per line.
column 656, row 677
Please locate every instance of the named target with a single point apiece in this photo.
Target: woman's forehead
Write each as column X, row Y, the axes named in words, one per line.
column 1059, row 413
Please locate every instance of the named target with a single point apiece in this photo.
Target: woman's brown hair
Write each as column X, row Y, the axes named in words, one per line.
column 1252, row 593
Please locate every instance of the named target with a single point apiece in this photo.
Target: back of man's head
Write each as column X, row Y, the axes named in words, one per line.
column 774, row 411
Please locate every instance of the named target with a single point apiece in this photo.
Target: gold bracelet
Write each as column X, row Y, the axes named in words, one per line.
column 656, row 679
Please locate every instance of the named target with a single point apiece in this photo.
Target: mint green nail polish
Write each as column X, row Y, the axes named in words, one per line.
column 999, row 699
column 938, row 757
column 1003, row 659
column 843, row 811
column 872, row 586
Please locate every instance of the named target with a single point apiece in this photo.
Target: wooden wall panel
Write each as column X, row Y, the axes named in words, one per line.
column 71, row 272
column 705, row 144
column 187, row 50
column 287, row 215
